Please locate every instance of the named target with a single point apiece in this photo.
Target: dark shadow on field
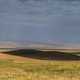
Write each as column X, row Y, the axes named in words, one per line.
column 44, row 55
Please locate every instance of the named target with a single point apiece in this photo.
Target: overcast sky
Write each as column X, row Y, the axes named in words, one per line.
column 40, row 20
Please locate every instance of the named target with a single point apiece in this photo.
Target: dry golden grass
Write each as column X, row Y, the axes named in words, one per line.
column 19, row 68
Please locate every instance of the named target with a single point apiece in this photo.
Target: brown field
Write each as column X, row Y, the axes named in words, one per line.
column 39, row 65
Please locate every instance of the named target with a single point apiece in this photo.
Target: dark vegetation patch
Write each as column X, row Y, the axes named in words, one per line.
column 44, row 55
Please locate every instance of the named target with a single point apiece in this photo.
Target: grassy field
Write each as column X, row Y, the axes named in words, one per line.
column 14, row 67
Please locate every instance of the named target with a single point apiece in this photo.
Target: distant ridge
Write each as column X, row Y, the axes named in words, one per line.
column 38, row 45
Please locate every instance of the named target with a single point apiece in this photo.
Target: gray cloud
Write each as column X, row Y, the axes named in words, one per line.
column 42, row 21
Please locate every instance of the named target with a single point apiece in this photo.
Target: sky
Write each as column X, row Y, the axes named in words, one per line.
column 40, row 21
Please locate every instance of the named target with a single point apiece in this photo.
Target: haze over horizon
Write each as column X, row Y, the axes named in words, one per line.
column 49, row 21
